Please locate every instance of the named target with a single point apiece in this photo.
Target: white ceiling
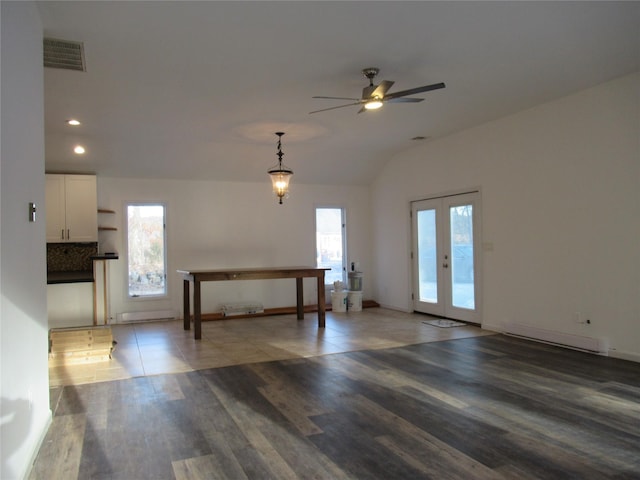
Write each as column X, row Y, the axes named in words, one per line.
column 196, row 90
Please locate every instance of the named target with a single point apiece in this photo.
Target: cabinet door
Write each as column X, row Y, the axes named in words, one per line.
column 81, row 206
column 54, row 205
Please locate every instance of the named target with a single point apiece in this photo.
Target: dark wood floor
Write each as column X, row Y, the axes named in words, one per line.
column 484, row 407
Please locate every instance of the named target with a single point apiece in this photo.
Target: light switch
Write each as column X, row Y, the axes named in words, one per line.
column 32, row 212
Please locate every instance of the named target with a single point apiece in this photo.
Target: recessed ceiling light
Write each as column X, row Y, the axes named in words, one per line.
column 79, row 149
column 73, row 122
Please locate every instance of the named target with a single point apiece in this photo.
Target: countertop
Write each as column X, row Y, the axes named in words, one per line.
column 77, row 276
column 70, row 277
column 105, row 256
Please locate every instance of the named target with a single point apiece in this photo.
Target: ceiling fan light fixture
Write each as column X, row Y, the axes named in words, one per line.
column 373, row 96
column 280, row 174
column 373, row 104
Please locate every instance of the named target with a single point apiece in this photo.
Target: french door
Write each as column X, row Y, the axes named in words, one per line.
column 445, row 256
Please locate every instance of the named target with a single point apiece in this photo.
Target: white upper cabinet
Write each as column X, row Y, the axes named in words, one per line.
column 54, row 201
column 72, row 208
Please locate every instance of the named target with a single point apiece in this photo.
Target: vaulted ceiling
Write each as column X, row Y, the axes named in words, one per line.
column 197, row 90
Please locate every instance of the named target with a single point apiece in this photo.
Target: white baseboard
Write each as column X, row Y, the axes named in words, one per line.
column 396, row 308
column 492, row 328
column 131, row 317
column 622, row 355
column 612, row 352
column 43, row 433
column 554, row 337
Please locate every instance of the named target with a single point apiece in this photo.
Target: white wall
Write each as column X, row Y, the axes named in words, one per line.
column 560, row 187
column 227, row 224
column 24, row 379
column 71, row 305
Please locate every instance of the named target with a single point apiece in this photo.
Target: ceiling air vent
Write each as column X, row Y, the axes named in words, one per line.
column 63, row 54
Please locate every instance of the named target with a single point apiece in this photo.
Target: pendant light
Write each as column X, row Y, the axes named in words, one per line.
column 280, row 174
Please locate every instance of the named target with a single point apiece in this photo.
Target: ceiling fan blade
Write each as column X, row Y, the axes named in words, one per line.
column 339, row 106
column 412, row 91
column 382, row 89
column 404, row 100
column 338, row 98
column 367, row 91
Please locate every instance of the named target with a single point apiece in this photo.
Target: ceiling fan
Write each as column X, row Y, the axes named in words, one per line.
column 374, row 96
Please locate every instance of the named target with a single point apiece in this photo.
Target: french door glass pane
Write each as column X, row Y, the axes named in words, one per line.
column 427, row 256
column 462, row 268
column 330, row 243
column 146, row 250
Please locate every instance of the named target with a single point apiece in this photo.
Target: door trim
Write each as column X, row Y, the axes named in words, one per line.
column 476, row 316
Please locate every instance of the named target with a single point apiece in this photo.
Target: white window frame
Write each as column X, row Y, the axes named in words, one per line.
column 343, row 212
column 165, row 260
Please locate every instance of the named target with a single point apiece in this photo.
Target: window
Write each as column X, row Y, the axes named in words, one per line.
column 146, row 250
column 331, row 243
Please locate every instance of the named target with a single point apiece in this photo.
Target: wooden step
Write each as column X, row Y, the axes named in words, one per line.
column 77, row 358
column 73, row 346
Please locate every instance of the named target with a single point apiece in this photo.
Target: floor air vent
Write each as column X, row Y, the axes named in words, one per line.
column 63, row 54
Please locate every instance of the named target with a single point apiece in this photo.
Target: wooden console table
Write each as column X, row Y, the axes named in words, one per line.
column 199, row 276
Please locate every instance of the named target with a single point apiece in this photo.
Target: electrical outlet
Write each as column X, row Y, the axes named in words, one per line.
column 582, row 318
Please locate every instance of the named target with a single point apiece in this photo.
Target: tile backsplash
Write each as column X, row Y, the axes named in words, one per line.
column 70, row 257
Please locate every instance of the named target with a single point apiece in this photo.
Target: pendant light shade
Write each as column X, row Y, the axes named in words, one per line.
column 280, row 174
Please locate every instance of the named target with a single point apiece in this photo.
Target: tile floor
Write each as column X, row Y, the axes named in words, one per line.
column 164, row 347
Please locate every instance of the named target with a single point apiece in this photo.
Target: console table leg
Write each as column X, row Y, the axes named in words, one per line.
column 185, row 305
column 197, row 316
column 299, row 299
column 321, row 303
